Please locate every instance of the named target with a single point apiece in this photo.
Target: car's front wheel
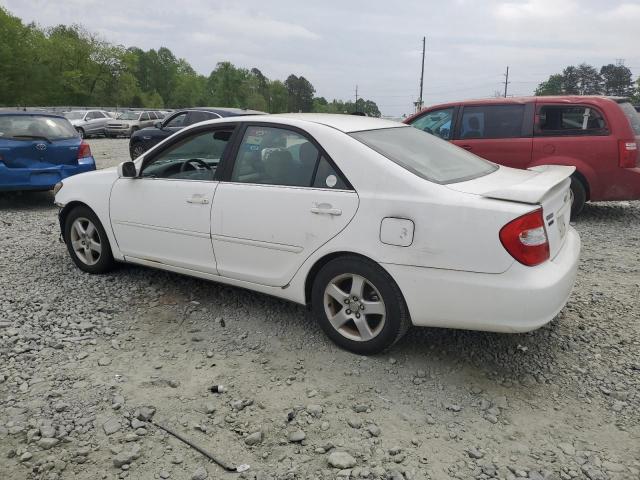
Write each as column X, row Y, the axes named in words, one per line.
column 87, row 241
column 80, row 132
column 137, row 150
column 359, row 306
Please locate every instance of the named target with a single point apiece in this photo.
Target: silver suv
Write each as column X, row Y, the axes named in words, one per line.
column 88, row 122
column 129, row 122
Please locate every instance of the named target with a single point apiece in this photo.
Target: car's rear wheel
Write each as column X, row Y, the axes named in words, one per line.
column 579, row 192
column 80, row 132
column 87, row 241
column 359, row 306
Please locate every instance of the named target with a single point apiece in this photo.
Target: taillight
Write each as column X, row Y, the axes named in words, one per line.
column 627, row 153
column 84, row 150
column 525, row 238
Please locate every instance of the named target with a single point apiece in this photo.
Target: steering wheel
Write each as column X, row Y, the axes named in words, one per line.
column 191, row 163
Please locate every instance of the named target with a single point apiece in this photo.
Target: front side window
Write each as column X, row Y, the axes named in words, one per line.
column 492, row 121
column 275, row 156
column 437, row 123
column 424, row 155
column 32, row 127
column 194, row 158
column 570, row 120
column 144, row 116
column 177, row 121
column 195, row 117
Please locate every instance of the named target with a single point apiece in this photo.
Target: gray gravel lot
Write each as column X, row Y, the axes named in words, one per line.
column 81, row 355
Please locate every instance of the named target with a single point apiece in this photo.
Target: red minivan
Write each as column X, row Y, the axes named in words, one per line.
column 600, row 136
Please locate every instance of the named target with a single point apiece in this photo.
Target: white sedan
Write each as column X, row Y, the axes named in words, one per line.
column 373, row 224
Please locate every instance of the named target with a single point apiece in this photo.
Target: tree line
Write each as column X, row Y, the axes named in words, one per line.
column 585, row 79
column 68, row 65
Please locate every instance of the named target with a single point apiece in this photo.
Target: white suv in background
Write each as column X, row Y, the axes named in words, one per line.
column 88, row 122
column 129, row 122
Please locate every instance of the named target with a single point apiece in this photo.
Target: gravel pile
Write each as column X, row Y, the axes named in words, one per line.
column 90, row 364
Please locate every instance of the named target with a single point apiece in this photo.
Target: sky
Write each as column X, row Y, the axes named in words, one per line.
column 376, row 45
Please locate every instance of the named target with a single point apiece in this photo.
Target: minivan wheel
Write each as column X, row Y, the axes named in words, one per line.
column 359, row 306
column 87, row 241
column 579, row 196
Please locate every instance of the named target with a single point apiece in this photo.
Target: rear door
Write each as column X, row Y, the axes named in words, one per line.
column 578, row 135
column 280, row 201
column 501, row 133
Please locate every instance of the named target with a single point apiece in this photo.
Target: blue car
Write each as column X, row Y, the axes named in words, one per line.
column 37, row 150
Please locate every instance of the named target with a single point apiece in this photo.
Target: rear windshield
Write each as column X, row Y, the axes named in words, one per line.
column 427, row 156
column 30, row 127
column 632, row 115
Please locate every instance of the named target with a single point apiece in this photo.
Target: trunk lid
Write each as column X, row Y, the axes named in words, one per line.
column 547, row 186
column 39, row 153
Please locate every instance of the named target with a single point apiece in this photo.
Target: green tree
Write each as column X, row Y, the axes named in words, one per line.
column 617, row 80
column 552, row 86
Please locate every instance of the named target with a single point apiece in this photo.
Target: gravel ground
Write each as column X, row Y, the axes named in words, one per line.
column 83, row 357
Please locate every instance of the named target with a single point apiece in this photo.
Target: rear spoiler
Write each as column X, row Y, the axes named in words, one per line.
column 534, row 189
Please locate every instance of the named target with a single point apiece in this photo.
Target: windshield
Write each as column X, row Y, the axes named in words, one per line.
column 29, row 127
column 632, row 115
column 129, row 116
column 428, row 157
column 74, row 115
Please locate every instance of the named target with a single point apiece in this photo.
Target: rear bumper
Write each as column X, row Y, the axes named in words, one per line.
column 12, row 179
column 518, row 300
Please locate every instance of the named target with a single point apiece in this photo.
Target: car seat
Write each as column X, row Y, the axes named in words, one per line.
column 474, row 128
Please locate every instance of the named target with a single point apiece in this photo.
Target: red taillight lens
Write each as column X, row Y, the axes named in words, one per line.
column 84, row 150
column 627, row 153
column 525, row 238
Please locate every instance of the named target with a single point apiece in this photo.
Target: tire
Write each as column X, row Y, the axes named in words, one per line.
column 133, row 130
column 579, row 196
column 83, row 249
column 81, row 132
column 137, row 150
column 337, row 287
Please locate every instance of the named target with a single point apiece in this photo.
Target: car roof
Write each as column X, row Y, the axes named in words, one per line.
column 531, row 99
column 343, row 122
column 225, row 111
column 30, row 113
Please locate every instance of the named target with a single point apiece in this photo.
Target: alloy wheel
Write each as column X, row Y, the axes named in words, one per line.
column 354, row 307
column 86, row 241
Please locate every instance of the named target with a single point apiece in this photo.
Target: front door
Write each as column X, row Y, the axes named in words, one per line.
column 499, row 133
column 164, row 214
column 283, row 200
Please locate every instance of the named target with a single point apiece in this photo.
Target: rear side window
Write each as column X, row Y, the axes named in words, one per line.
column 327, row 177
column 425, row 155
column 570, row 120
column 633, row 116
column 492, row 121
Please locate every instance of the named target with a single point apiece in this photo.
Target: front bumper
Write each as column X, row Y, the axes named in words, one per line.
column 518, row 300
column 111, row 130
column 42, row 178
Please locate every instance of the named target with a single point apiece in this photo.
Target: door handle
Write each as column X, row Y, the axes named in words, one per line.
column 200, row 199
column 325, row 209
column 467, row 147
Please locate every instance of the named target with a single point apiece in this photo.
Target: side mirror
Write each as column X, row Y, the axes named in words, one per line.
column 127, row 170
column 158, row 125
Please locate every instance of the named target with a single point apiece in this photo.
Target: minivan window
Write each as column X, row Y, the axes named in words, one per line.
column 570, row 120
column 437, row 122
column 492, row 121
column 425, row 155
column 633, row 116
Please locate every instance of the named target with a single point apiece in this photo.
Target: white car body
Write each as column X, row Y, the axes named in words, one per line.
column 438, row 242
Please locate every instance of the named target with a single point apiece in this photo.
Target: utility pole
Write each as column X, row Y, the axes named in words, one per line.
column 506, row 82
column 356, row 98
column 419, row 103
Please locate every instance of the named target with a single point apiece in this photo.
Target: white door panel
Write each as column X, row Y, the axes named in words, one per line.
column 164, row 221
column 263, row 233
